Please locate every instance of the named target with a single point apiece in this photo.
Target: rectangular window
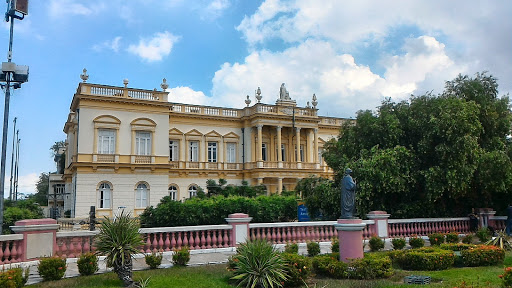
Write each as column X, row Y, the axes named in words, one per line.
column 141, row 200
column 283, row 152
column 174, row 151
column 264, row 151
column 142, row 143
column 106, row 141
column 193, row 151
column 302, row 153
column 320, row 159
column 212, row 151
column 231, row 152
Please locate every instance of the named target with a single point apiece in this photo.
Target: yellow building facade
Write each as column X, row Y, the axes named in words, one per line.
column 128, row 148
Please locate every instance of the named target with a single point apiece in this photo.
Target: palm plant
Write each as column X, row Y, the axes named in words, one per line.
column 118, row 241
column 501, row 240
column 259, row 265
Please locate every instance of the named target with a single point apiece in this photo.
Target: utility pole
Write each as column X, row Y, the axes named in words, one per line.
column 10, row 73
column 12, row 159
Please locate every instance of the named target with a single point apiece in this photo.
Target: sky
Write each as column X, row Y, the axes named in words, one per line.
column 351, row 54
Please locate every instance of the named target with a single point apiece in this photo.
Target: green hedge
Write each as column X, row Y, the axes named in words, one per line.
column 426, row 258
column 212, row 211
column 456, row 246
column 372, row 266
column 482, row 255
column 299, row 269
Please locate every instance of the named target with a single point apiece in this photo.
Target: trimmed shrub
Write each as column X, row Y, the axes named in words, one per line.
column 416, row 242
column 482, row 255
column 51, row 268
column 398, row 243
column 313, row 249
column 370, row 267
column 87, row 264
column 436, row 239
column 468, row 239
column 452, row 237
column 375, row 243
column 299, row 268
column 212, row 211
column 181, row 256
column 154, row 260
column 291, row 248
column 456, row 246
column 427, row 258
column 483, row 234
column 506, row 277
column 329, row 265
column 335, row 245
column 258, row 264
column 13, row 278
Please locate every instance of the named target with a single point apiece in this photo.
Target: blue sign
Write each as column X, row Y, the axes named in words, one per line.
column 302, row 213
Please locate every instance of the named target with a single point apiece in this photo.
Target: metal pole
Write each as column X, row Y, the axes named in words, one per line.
column 17, row 167
column 6, row 123
column 12, row 159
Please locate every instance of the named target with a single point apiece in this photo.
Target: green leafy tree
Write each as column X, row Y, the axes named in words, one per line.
column 41, row 196
column 322, row 197
column 432, row 155
column 20, row 210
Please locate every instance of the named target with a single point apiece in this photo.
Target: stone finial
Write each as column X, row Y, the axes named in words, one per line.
column 314, row 101
column 307, row 105
column 125, row 82
column 164, row 84
column 258, row 94
column 248, row 101
column 84, row 76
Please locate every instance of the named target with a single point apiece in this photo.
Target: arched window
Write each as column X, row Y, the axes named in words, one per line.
column 105, row 195
column 173, row 192
column 141, row 196
column 192, row 191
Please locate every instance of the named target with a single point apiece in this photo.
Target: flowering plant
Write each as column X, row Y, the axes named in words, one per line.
column 51, row 268
column 506, row 278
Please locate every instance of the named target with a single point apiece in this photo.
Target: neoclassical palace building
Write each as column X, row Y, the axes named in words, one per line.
column 129, row 147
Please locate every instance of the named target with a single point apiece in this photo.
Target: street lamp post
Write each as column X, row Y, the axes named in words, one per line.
column 16, row 74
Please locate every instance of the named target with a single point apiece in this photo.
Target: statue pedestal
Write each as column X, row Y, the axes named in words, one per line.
column 350, row 235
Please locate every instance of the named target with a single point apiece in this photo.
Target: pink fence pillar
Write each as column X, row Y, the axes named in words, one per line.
column 39, row 237
column 381, row 223
column 486, row 215
column 240, row 232
column 350, row 235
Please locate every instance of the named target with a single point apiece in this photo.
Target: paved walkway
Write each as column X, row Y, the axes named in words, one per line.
column 197, row 257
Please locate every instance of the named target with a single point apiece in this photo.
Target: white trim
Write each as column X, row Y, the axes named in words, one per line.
column 25, row 228
column 350, row 226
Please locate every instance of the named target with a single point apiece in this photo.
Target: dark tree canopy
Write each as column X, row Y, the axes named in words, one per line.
column 434, row 155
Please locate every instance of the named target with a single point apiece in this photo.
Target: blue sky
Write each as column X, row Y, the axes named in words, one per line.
column 352, row 54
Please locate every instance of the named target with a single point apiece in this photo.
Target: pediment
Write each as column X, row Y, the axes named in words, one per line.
column 107, row 119
column 193, row 132
column 143, row 122
column 175, row 131
column 231, row 135
column 213, row 133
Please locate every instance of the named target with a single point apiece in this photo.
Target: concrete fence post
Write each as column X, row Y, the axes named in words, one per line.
column 381, row 223
column 39, row 237
column 350, row 235
column 240, row 232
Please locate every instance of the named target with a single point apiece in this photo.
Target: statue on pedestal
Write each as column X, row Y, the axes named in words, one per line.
column 348, row 196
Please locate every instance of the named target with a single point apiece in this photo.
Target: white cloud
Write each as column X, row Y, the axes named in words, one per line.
column 109, row 44
column 155, row 48
column 26, row 184
column 341, row 84
column 59, row 8
column 211, row 9
column 472, row 31
column 186, row 95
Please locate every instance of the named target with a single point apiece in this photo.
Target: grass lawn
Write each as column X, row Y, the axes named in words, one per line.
column 214, row 276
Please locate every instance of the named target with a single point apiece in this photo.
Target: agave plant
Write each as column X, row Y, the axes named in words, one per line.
column 118, row 241
column 258, row 265
column 501, row 240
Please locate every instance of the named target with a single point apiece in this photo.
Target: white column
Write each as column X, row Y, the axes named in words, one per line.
column 259, row 146
column 297, row 130
column 315, row 148
column 279, row 153
column 279, row 185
